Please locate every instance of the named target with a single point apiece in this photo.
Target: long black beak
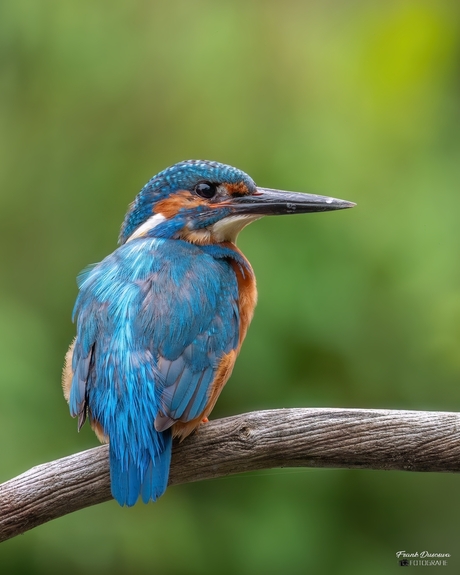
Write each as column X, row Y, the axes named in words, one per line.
column 266, row 202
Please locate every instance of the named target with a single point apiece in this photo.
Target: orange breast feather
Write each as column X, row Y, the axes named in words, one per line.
column 247, row 294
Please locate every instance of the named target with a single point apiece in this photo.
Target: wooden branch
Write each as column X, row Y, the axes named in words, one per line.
column 353, row 438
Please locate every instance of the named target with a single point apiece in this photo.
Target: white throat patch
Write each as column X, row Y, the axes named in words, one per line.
column 227, row 229
column 142, row 230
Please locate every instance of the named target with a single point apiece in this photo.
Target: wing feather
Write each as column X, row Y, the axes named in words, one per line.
column 154, row 320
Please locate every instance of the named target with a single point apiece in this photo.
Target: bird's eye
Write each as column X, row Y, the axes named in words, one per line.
column 206, row 190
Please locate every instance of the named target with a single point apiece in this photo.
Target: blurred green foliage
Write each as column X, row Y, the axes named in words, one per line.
column 357, row 99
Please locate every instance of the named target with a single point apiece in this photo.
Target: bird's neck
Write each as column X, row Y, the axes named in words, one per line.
column 224, row 230
column 229, row 251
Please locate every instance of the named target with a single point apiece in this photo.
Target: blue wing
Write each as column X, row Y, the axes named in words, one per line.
column 153, row 322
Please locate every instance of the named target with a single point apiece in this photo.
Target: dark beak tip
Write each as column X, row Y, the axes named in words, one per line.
column 331, row 204
column 267, row 202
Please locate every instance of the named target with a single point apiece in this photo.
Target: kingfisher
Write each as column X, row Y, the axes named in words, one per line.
column 161, row 320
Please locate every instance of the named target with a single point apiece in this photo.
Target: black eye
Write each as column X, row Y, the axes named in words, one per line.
column 206, row 190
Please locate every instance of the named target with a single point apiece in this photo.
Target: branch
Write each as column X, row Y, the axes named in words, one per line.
column 353, row 438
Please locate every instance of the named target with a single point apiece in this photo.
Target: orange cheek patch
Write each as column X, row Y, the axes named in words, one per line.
column 170, row 206
column 239, row 189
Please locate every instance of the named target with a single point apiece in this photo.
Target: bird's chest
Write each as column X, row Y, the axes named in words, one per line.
column 247, row 291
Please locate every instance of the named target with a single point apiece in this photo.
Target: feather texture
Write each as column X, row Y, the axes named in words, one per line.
column 161, row 320
column 154, row 321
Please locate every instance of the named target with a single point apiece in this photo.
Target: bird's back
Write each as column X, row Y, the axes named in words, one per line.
column 161, row 320
column 158, row 328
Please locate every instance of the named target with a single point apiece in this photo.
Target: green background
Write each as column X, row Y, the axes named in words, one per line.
column 355, row 99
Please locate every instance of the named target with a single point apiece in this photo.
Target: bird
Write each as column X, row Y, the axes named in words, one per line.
column 161, row 320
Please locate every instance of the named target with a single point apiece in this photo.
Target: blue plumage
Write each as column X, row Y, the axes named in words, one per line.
column 181, row 176
column 160, row 321
column 153, row 320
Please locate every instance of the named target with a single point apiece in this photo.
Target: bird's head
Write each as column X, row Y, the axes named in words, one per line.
column 207, row 202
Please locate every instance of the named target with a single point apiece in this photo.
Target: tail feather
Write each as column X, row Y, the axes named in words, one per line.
column 146, row 477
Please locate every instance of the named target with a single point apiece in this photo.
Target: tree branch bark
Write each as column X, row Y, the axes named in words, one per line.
column 353, row 438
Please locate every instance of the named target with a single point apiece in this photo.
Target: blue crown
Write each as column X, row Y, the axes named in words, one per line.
column 181, row 176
